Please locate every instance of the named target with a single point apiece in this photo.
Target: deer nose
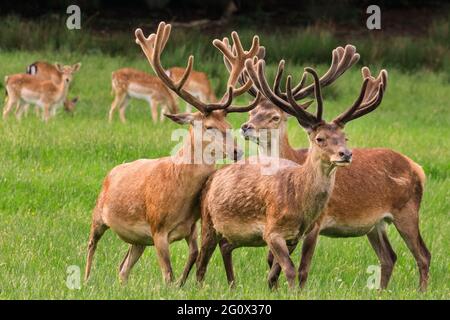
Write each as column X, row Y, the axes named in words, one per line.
column 345, row 154
column 238, row 153
column 246, row 127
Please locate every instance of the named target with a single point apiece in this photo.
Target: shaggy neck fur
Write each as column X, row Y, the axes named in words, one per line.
column 191, row 154
column 314, row 182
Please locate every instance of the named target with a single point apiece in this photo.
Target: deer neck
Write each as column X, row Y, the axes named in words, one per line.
column 314, row 183
column 190, row 155
column 63, row 88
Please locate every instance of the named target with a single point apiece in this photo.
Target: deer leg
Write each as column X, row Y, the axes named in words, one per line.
column 270, row 259
column 122, row 108
column 226, row 250
column 97, row 230
column 380, row 243
column 118, row 99
column 132, row 256
column 278, row 246
column 308, row 247
column 46, row 115
column 37, row 111
column 164, row 110
column 53, row 111
column 154, row 110
column 25, row 109
column 193, row 254
column 162, row 250
column 407, row 224
column 209, row 243
column 8, row 106
column 19, row 110
column 275, row 269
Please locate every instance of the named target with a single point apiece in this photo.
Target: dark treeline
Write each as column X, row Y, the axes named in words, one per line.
column 188, row 9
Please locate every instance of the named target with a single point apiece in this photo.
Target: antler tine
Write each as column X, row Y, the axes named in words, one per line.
column 376, row 92
column 345, row 117
column 304, row 118
column 234, row 59
column 247, row 108
column 243, row 77
column 369, row 99
column 263, row 87
column 342, row 60
column 317, row 93
column 224, row 103
column 369, row 107
column 277, row 81
column 153, row 47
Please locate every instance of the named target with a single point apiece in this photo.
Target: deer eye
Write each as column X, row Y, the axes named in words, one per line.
column 209, row 128
column 276, row 118
column 320, row 140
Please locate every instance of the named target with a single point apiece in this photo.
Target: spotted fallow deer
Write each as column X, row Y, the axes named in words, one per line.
column 380, row 186
column 155, row 202
column 198, row 84
column 131, row 83
column 242, row 205
column 47, row 71
column 46, row 94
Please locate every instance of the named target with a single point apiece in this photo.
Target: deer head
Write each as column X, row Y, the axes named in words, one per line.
column 327, row 139
column 67, row 71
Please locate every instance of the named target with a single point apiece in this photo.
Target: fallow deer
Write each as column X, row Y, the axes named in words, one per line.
column 198, row 85
column 131, row 83
column 155, row 202
column 29, row 89
column 241, row 206
column 47, row 71
column 380, row 185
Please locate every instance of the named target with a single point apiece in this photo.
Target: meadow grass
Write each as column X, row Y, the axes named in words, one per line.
column 50, row 176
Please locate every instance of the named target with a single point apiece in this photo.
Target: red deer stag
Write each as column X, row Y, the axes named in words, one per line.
column 155, row 202
column 380, row 186
column 241, row 206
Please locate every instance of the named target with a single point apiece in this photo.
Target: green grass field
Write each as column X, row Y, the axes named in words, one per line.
column 50, row 176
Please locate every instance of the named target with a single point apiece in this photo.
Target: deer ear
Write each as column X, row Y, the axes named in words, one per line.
column 181, row 118
column 76, row 67
column 59, row 67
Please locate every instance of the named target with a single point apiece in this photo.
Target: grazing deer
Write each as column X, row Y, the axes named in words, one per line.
column 380, row 186
column 48, row 71
column 155, row 202
column 241, row 206
column 198, row 84
column 131, row 83
column 46, row 94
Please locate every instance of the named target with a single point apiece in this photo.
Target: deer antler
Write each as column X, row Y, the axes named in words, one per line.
column 305, row 118
column 154, row 45
column 369, row 99
column 342, row 60
column 236, row 56
column 243, row 78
